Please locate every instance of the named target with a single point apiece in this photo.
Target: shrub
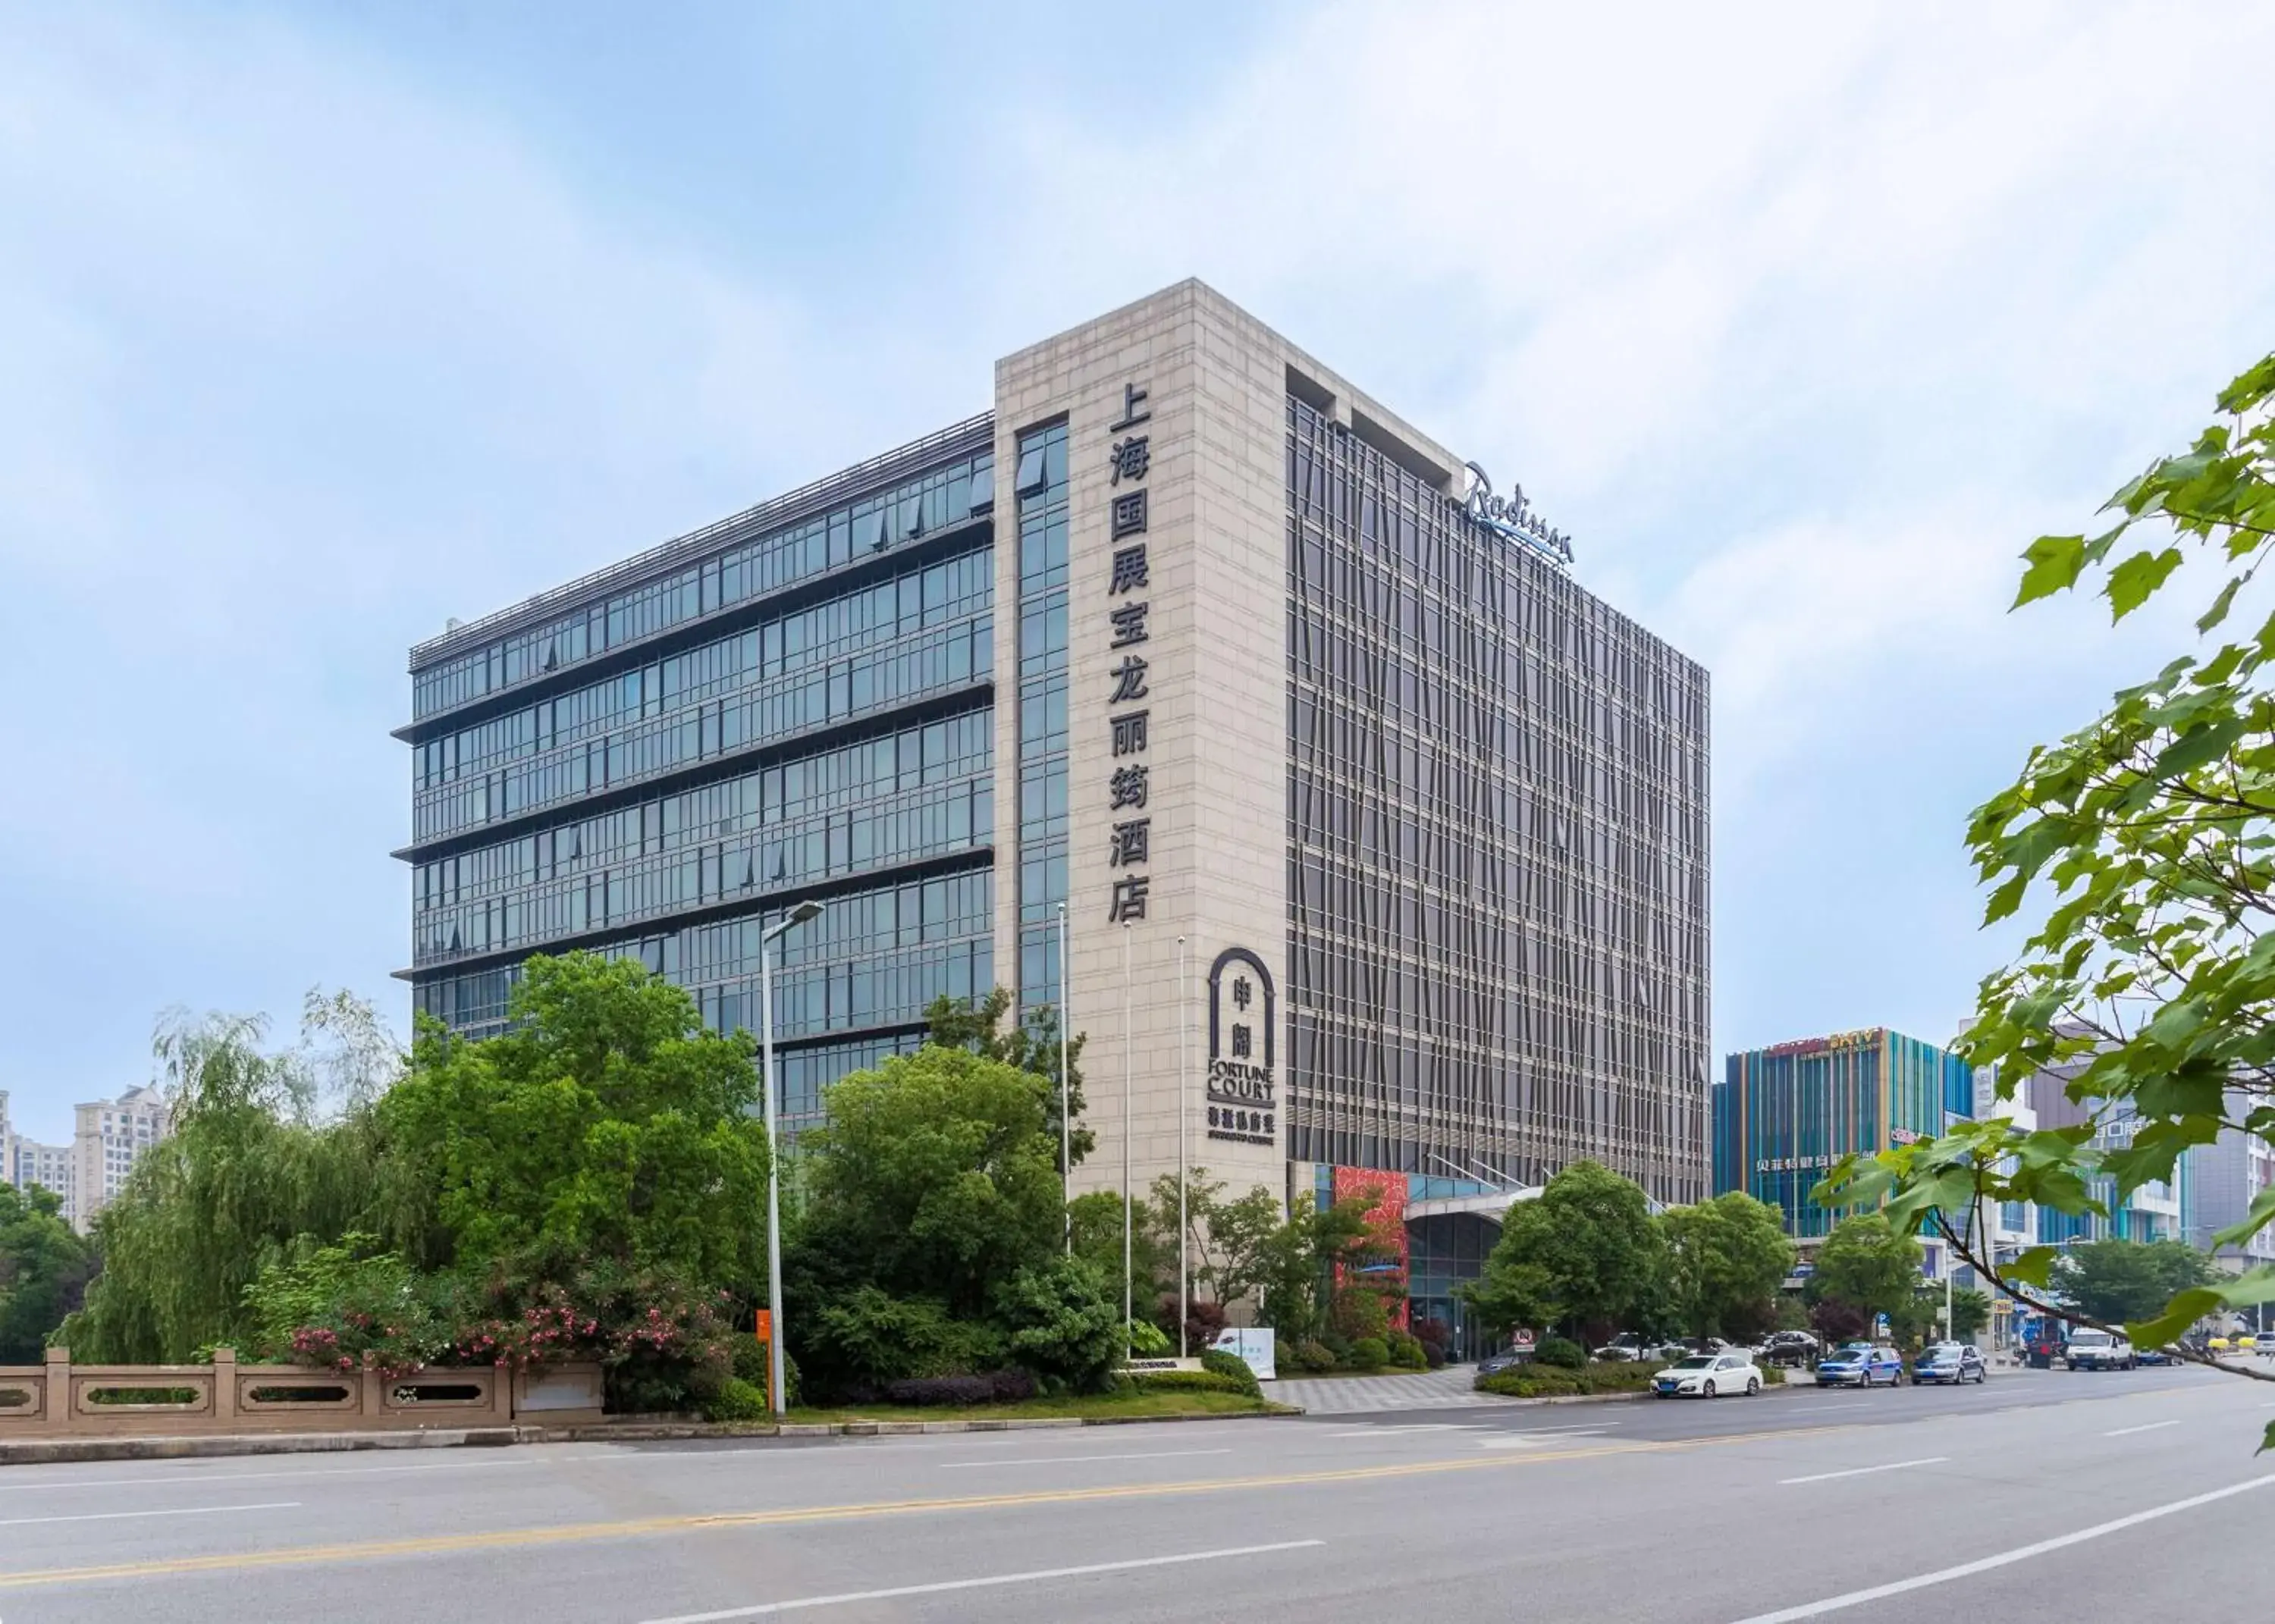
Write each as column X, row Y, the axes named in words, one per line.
column 1148, row 1340
column 867, row 1338
column 1216, row 1362
column 1204, row 1321
column 995, row 1387
column 737, row 1399
column 1539, row 1381
column 750, row 1366
column 1434, row 1333
column 1314, row 1355
column 1188, row 1381
column 1060, row 1324
column 1560, row 1352
column 1407, row 1350
column 1368, row 1354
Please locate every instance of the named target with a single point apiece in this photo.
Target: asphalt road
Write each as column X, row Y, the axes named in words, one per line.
column 2037, row 1497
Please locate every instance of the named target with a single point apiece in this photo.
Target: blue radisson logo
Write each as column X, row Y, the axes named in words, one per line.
column 1511, row 515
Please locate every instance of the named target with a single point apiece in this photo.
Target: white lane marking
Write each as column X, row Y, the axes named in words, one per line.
column 192, row 1477
column 764, row 1608
column 177, row 1511
column 2146, row 1427
column 1417, row 1426
column 1943, row 1575
column 1062, row 1459
column 1862, row 1471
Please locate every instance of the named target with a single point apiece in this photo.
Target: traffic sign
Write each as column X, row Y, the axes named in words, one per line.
column 1521, row 1339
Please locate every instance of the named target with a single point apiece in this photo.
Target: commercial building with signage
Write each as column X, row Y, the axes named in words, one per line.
column 1381, row 843
column 1784, row 1114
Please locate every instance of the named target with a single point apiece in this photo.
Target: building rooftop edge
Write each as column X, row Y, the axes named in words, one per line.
column 771, row 514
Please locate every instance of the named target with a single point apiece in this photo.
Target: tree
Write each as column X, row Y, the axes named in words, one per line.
column 1584, row 1253
column 1871, row 1266
column 2117, row 1282
column 267, row 1146
column 605, row 1123
column 935, row 1175
column 2147, row 833
column 1294, row 1264
column 1031, row 1046
column 1726, row 1260
column 44, row 1266
column 1970, row 1312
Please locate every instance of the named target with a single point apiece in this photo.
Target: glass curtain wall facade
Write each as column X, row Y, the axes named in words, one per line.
column 1040, row 490
column 1784, row 1114
column 1498, row 846
column 801, row 706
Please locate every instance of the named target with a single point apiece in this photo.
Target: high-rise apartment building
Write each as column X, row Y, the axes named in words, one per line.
column 26, row 1162
column 1388, row 837
column 110, row 1135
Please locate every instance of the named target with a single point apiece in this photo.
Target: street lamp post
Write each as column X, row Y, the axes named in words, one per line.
column 1066, row 1116
column 1183, row 1105
column 775, row 1370
column 1127, row 1305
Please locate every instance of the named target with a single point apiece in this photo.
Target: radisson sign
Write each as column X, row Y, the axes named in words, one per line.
column 1512, row 516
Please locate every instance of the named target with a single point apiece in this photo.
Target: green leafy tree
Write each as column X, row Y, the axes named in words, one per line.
column 1871, row 1266
column 267, row 1145
column 605, row 1123
column 1583, row 1254
column 1032, row 1044
column 1295, row 1264
column 1970, row 1312
column 2118, row 1282
column 1726, row 1260
column 2146, row 834
column 935, row 1175
column 44, row 1268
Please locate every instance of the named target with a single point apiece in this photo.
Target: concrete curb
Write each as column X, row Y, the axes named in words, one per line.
column 63, row 1451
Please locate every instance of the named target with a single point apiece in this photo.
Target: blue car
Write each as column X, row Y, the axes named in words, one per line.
column 1860, row 1364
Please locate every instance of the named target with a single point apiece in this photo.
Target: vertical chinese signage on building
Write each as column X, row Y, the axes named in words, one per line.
column 1129, row 847
column 1241, row 1105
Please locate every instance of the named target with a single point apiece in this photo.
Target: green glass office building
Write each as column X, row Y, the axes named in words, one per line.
column 1785, row 1113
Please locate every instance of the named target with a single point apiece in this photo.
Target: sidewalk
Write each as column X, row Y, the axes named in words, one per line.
column 1364, row 1395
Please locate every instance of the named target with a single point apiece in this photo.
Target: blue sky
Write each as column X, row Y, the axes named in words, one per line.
column 320, row 325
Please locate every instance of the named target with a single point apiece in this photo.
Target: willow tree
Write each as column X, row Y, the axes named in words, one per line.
column 268, row 1146
column 2148, row 836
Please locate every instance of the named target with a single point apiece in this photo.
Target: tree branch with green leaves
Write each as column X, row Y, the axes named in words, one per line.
column 2148, row 836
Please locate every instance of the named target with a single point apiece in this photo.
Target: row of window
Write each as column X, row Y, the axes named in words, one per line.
column 873, row 769
column 1043, row 755
column 937, row 821
column 931, row 596
column 717, row 964
column 918, row 506
column 935, row 662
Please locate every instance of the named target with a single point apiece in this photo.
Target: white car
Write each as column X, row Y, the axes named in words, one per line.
column 1708, row 1376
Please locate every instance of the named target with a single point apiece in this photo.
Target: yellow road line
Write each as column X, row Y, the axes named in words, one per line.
column 436, row 1544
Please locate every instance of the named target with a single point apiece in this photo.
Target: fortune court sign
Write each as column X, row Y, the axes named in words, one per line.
column 1242, row 1105
column 1512, row 516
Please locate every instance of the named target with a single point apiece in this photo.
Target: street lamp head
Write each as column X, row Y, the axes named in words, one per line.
column 797, row 916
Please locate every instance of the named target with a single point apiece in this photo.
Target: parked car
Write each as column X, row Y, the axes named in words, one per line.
column 1628, row 1346
column 1786, row 1348
column 1708, row 1376
column 1950, row 1361
column 1861, row 1365
column 2089, row 1349
column 2155, row 1356
column 1493, row 1365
